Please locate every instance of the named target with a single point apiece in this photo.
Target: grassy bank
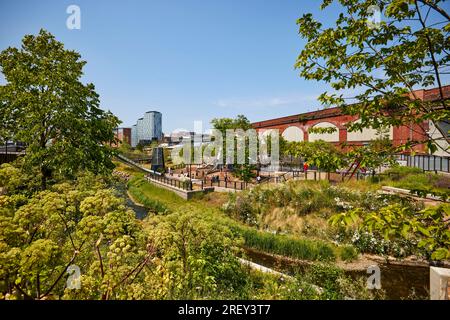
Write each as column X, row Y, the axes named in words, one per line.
column 161, row 201
column 154, row 206
column 303, row 249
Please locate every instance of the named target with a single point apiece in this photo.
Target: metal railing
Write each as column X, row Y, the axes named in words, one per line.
column 426, row 162
column 180, row 184
column 178, row 166
column 237, row 185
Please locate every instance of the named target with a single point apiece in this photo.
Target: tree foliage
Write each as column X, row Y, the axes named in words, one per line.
column 319, row 153
column 194, row 259
column 223, row 124
column 377, row 153
column 382, row 63
column 45, row 105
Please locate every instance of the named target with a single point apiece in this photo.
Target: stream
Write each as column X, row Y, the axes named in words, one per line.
column 398, row 281
column 140, row 211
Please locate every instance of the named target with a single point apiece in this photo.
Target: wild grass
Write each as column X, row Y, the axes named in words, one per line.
column 415, row 179
column 296, row 207
column 348, row 253
column 153, row 205
column 287, row 245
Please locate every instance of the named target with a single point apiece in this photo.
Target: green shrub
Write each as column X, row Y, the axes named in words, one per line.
column 348, row 253
column 404, row 171
column 325, row 275
column 336, row 284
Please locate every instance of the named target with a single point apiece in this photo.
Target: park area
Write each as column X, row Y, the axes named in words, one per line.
column 297, row 227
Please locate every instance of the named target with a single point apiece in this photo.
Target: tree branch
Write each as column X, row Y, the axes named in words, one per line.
column 436, row 8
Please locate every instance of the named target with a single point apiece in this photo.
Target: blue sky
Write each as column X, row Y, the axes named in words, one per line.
column 189, row 59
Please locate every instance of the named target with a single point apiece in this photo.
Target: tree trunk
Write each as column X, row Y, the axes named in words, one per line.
column 43, row 179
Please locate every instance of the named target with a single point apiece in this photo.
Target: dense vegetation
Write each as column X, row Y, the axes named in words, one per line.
column 408, row 45
column 416, row 180
column 185, row 253
column 346, row 216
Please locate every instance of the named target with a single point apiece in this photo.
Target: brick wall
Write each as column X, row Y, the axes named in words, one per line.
column 123, row 134
column 400, row 135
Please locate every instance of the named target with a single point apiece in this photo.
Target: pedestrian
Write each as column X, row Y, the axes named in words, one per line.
column 258, row 179
column 305, row 167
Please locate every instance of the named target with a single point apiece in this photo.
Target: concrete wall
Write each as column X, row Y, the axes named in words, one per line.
column 368, row 134
column 443, row 149
column 329, row 137
column 293, row 133
column 185, row 194
column 439, row 283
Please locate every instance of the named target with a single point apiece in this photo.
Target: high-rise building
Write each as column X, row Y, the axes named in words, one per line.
column 140, row 129
column 134, row 136
column 147, row 129
column 152, row 125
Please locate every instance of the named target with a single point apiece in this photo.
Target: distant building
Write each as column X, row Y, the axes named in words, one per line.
column 152, row 125
column 134, row 136
column 123, row 135
column 140, row 129
column 147, row 129
column 296, row 128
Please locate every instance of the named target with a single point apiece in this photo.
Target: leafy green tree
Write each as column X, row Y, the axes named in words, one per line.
column 245, row 172
column 382, row 62
column 124, row 147
column 242, row 171
column 53, row 112
column 224, row 124
column 318, row 153
column 240, row 122
column 282, row 144
column 377, row 153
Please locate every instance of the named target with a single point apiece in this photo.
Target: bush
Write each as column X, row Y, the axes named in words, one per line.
column 404, row 171
column 325, row 276
column 369, row 242
column 348, row 253
column 416, row 179
column 240, row 209
column 336, row 284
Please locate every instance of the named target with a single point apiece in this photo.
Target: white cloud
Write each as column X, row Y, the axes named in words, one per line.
column 262, row 102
